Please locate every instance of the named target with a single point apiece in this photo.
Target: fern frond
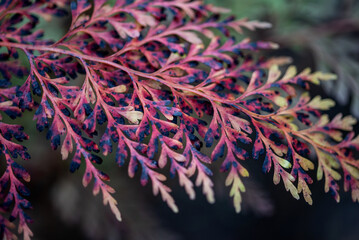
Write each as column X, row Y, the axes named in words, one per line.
column 158, row 77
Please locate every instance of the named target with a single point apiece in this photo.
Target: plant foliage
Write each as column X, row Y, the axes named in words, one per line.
column 326, row 29
column 157, row 77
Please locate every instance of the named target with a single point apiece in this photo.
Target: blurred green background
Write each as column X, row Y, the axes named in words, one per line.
column 322, row 34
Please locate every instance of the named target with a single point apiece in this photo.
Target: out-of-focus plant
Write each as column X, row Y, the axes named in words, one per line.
column 328, row 29
column 151, row 81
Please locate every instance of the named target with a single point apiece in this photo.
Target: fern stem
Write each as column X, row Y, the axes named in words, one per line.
column 131, row 71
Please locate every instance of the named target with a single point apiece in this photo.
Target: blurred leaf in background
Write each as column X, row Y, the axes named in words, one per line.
column 327, row 29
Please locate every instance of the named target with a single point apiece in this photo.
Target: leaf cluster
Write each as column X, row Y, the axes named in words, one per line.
column 157, row 77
